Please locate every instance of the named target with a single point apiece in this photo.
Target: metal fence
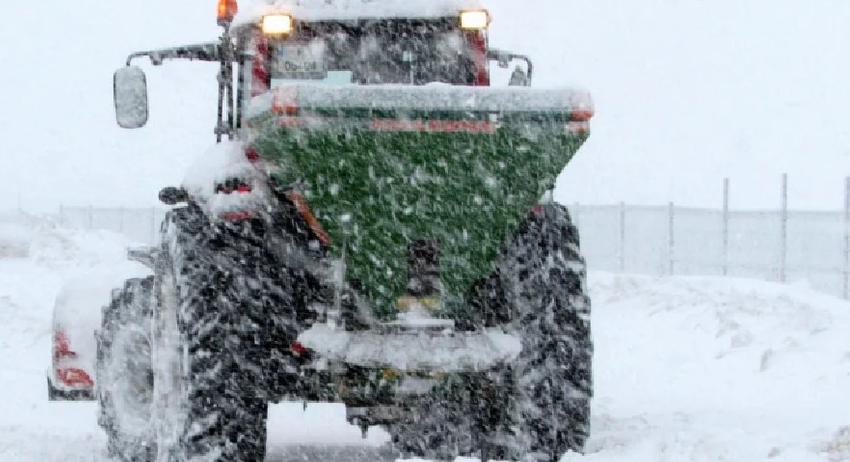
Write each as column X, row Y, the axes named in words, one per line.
column 779, row 245
column 139, row 224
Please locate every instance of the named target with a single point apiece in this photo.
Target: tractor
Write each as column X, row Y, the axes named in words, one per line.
column 375, row 227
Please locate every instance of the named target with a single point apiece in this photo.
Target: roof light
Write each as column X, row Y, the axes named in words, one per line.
column 227, row 10
column 277, row 24
column 474, row 20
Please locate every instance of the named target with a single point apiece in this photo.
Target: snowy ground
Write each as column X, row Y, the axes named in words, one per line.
column 687, row 369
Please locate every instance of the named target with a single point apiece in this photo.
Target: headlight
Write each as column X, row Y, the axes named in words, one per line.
column 474, row 20
column 277, row 24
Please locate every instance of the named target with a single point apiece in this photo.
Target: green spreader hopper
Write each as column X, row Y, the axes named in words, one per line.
column 388, row 170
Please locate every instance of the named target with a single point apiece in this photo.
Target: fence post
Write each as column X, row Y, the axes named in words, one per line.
column 726, row 226
column 121, row 220
column 575, row 214
column 91, row 217
column 671, row 235
column 622, row 237
column 153, row 225
column 783, row 243
column 61, row 215
column 847, row 238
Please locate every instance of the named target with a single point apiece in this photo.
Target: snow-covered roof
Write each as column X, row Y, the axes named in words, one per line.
column 434, row 97
column 317, row 10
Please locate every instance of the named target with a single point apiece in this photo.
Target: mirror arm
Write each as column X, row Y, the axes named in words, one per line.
column 202, row 52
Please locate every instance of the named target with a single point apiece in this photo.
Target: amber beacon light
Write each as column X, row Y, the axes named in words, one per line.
column 227, row 10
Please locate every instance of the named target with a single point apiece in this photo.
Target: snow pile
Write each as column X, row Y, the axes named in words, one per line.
column 31, row 428
column 15, row 235
column 687, row 369
column 838, row 448
column 77, row 310
column 42, row 240
column 718, row 369
column 317, row 10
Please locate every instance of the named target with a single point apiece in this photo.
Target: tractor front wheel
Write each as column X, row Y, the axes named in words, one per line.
column 125, row 373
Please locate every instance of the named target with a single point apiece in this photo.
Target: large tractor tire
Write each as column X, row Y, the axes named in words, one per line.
column 538, row 407
column 125, row 373
column 542, row 278
column 225, row 323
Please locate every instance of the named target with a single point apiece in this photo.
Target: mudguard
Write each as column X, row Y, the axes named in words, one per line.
column 76, row 318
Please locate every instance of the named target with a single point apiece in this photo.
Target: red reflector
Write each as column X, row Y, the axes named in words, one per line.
column 581, row 115
column 298, row 348
column 581, row 107
column 285, row 101
column 74, row 377
column 236, row 217
column 538, row 210
column 251, row 154
column 61, row 346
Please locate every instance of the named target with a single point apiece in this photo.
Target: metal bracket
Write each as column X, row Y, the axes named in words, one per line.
column 200, row 52
column 504, row 59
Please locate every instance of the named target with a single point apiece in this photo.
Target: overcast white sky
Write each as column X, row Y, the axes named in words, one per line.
column 687, row 92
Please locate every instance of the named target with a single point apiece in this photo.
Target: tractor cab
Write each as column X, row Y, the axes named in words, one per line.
column 288, row 43
column 369, row 51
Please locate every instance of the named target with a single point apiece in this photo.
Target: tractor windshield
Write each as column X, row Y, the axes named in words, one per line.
column 412, row 52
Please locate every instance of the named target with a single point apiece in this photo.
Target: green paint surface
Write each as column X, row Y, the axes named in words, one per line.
column 377, row 191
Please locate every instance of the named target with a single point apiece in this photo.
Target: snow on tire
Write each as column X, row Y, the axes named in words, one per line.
column 543, row 280
column 538, row 407
column 124, row 372
column 222, row 326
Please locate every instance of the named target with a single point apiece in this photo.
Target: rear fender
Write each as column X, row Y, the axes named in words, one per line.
column 77, row 315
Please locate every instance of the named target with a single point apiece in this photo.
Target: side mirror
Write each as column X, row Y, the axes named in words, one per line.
column 173, row 196
column 131, row 97
column 519, row 78
column 504, row 58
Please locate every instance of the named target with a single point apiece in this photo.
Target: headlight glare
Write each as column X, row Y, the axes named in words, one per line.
column 277, row 24
column 474, row 20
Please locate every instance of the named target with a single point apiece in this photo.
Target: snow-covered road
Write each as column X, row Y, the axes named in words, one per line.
column 687, row 369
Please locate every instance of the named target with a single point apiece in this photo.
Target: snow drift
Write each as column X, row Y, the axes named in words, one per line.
column 687, row 369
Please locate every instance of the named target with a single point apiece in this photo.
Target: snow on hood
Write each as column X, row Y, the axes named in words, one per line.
column 221, row 162
column 215, row 165
column 317, row 10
